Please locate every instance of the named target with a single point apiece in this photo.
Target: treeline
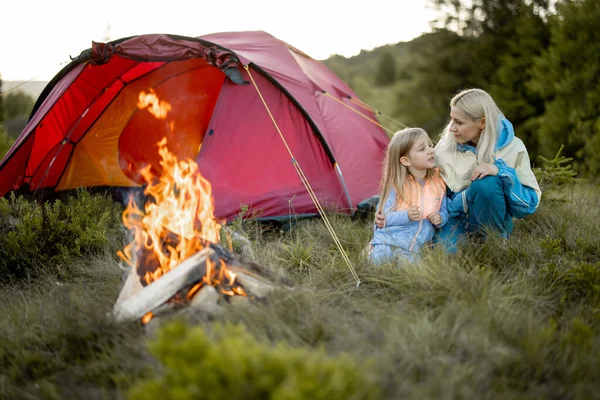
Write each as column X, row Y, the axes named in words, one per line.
column 15, row 107
column 540, row 59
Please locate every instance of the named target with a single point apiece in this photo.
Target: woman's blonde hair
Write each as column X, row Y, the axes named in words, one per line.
column 476, row 104
column 395, row 174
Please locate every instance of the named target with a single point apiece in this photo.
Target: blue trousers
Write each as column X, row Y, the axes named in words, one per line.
column 487, row 210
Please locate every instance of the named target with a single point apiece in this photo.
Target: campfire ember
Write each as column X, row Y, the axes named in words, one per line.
column 175, row 249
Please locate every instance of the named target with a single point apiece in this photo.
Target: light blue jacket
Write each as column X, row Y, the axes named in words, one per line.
column 401, row 237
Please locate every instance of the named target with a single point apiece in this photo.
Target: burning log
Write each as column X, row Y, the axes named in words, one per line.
column 179, row 287
column 148, row 298
column 174, row 254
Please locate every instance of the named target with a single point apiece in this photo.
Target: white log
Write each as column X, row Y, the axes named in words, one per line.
column 131, row 287
column 206, row 300
column 255, row 284
column 158, row 292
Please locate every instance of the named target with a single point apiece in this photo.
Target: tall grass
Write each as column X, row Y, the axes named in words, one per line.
column 515, row 319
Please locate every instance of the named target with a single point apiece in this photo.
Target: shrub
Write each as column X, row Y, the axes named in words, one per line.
column 46, row 238
column 230, row 363
column 556, row 173
column 5, row 142
column 577, row 282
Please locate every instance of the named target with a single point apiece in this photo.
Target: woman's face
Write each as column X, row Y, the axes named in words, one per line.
column 464, row 128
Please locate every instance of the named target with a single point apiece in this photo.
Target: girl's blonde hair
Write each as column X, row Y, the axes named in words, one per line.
column 476, row 104
column 395, row 174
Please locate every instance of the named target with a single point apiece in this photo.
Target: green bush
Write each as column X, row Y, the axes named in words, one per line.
column 230, row 363
column 5, row 142
column 46, row 238
column 575, row 282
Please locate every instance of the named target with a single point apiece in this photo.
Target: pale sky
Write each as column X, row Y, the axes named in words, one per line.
column 38, row 36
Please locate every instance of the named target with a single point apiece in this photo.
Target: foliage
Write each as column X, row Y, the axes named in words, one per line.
column 38, row 239
column 566, row 77
column 556, row 173
column 17, row 104
column 1, row 103
column 5, row 142
column 510, row 87
column 443, row 63
column 386, row 69
column 494, row 18
column 228, row 362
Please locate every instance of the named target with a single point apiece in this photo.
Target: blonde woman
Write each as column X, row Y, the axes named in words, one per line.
column 412, row 198
column 486, row 169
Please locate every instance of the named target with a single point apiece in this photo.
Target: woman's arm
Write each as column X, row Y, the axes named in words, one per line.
column 520, row 186
column 458, row 205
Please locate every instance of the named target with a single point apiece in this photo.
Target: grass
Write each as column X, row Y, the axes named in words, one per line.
column 510, row 320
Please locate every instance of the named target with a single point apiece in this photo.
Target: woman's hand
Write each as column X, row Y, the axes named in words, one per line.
column 380, row 220
column 435, row 218
column 483, row 170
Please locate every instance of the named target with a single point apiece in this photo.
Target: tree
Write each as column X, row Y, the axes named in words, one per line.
column 5, row 142
column 485, row 17
column 386, row 69
column 507, row 36
column 510, row 88
column 442, row 64
column 566, row 76
column 1, row 103
column 492, row 22
column 17, row 105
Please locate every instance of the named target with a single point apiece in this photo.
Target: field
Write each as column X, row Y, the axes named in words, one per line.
column 516, row 319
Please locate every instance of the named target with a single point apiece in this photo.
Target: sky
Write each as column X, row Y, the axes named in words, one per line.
column 38, row 36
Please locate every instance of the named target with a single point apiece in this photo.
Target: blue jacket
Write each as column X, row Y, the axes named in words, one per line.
column 521, row 189
column 401, row 236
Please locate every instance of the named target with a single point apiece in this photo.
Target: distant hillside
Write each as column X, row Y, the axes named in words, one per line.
column 398, row 80
column 366, row 62
column 31, row 88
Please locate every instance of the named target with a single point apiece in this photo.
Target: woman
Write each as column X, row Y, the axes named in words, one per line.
column 486, row 169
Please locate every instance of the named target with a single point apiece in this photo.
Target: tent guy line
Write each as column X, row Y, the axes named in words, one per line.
column 306, row 183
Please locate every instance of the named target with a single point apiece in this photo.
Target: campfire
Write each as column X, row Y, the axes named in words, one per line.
column 175, row 256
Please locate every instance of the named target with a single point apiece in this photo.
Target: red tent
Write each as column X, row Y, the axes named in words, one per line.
column 87, row 131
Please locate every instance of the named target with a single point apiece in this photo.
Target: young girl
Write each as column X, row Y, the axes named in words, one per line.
column 412, row 199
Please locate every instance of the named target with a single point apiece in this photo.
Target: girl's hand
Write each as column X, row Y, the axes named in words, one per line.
column 435, row 218
column 483, row 170
column 380, row 220
column 413, row 213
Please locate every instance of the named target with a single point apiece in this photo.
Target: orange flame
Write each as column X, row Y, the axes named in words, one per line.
column 182, row 206
column 146, row 318
column 178, row 220
column 156, row 107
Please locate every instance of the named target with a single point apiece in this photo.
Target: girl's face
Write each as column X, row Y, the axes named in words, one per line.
column 464, row 128
column 421, row 156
